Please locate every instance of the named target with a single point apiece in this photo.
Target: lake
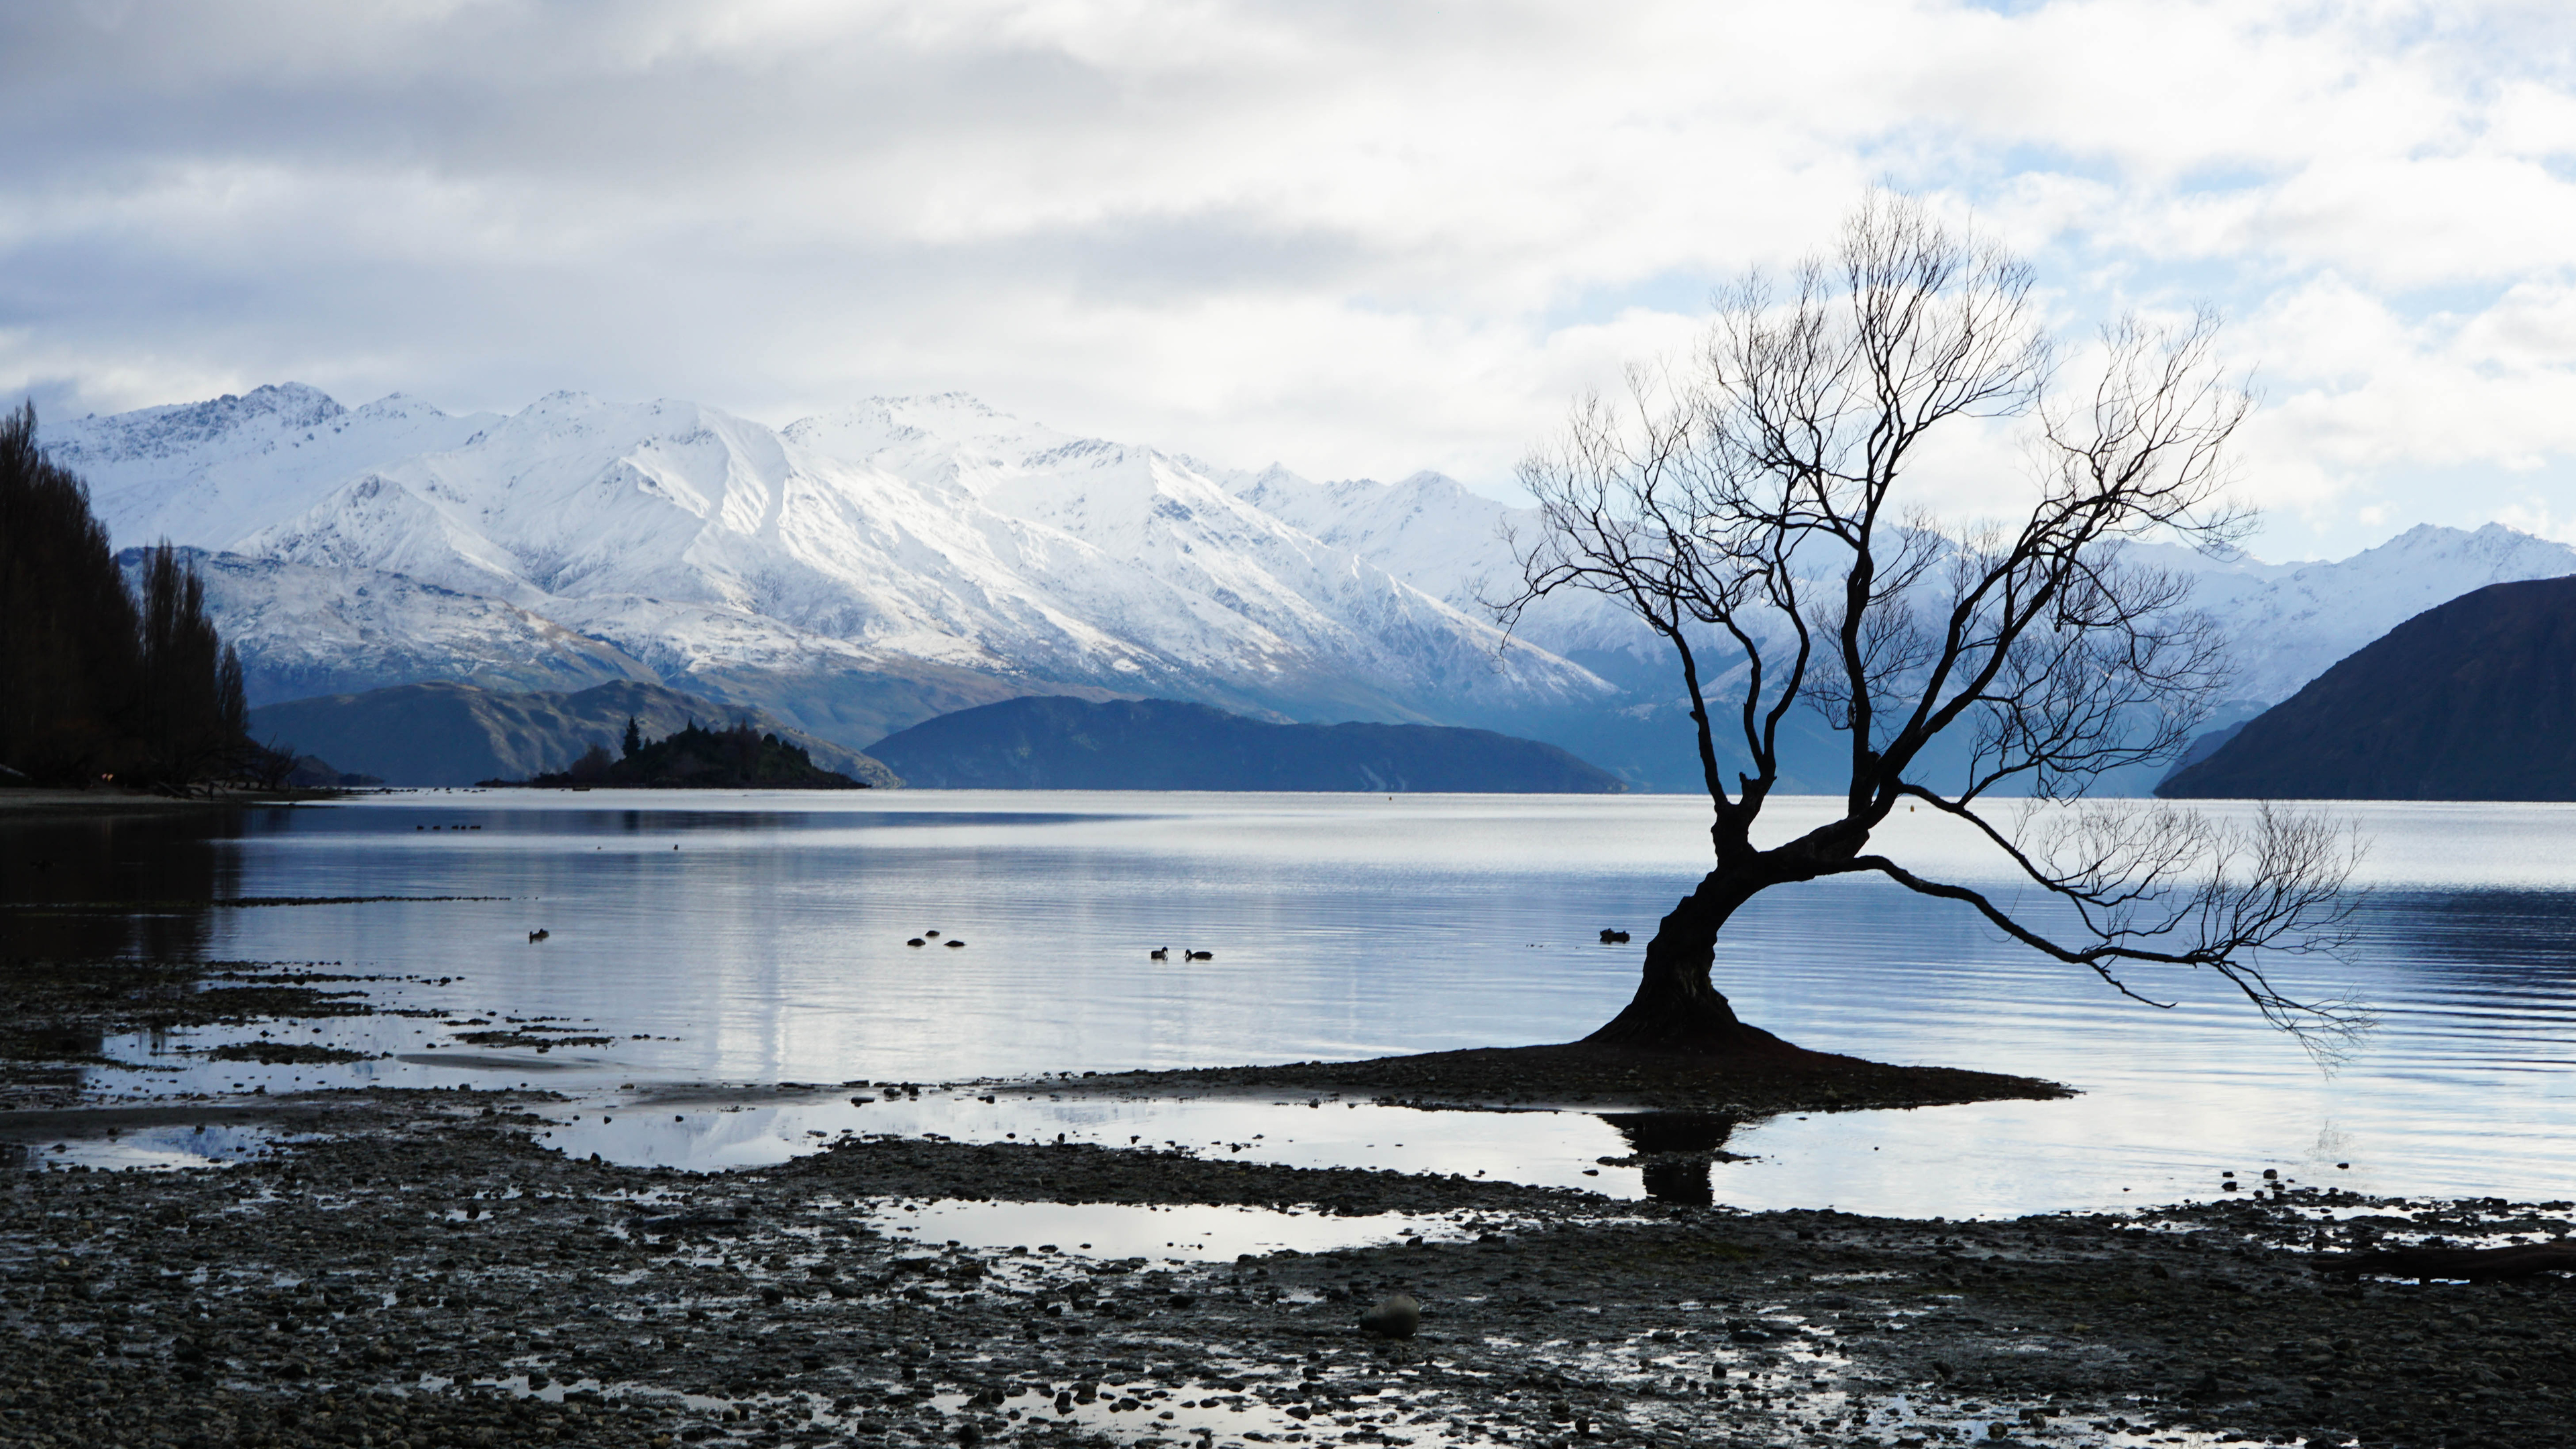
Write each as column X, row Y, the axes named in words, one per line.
column 722, row 940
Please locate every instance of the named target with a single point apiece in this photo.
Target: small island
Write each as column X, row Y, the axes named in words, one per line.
column 697, row 758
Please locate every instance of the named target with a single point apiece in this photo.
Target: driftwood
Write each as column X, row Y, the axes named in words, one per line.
column 2478, row 1265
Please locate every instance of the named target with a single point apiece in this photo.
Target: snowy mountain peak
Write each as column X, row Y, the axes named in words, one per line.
column 182, row 427
column 908, row 432
column 937, row 532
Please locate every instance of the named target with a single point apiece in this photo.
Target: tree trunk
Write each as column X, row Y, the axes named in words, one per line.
column 1676, row 1008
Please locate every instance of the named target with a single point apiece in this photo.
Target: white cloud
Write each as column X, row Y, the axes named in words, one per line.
column 1350, row 237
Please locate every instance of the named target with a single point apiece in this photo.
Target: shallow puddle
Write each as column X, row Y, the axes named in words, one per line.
column 1956, row 1162
column 154, row 1148
column 1185, row 1232
column 1551, row 1149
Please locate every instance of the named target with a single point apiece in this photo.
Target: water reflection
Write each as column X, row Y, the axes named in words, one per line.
column 1675, row 1151
column 769, row 947
column 118, row 885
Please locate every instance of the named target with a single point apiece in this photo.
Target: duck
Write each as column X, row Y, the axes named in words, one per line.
column 539, row 934
column 1198, row 955
column 916, row 941
column 1160, row 953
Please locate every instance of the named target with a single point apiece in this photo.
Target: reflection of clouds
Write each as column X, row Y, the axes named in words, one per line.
column 1352, row 927
column 210, row 1145
column 1121, row 1230
column 1353, row 238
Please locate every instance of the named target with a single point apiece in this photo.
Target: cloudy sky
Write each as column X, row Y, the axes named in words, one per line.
column 1357, row 238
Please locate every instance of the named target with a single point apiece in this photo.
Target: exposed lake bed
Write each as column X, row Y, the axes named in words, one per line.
column 1583, row 1269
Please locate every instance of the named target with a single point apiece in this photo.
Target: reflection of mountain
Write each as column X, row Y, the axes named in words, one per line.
column 860, row 572
column 2513, row 943
column 1675, row 1151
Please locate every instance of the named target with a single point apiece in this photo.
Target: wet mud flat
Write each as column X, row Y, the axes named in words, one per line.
column 56, row 1015
column 425, row 1272
column 1578, row 1074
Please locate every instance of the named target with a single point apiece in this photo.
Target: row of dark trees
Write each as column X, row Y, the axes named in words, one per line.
column 100, row 681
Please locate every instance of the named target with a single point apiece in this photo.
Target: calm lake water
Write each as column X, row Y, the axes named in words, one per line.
column 760, row 939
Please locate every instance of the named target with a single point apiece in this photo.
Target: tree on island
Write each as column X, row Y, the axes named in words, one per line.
column 1751, row 506
column 737, row 758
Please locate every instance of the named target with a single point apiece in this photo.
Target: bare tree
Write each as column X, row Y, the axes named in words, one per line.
column 1749, row 508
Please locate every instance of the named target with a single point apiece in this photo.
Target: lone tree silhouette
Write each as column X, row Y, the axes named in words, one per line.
column 1750, row 506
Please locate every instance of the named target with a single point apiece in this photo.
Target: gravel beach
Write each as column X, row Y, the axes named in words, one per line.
column 417, row 1268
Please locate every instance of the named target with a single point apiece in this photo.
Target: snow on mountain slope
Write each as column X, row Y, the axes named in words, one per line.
column 305, row 630
column 1223, row 584
column 1456, row 546
column 2291, row 627
column 911, row 550
column 932, row 529
column 2288, row 622
column 206, row 474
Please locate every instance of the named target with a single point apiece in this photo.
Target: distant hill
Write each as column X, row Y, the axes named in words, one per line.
column 1049, row 742
column 2473, row 700
column 456, row 734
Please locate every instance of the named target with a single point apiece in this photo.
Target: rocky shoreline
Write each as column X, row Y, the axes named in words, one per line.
column 424, row 1272
column 417, row 1268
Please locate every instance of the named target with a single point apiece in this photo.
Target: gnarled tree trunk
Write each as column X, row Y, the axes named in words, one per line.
column 1677, row 1008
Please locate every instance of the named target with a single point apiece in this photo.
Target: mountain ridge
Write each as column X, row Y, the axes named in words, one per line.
column 1044, row 742
column 2473, row 699
column 862, row 569
column 443, row 733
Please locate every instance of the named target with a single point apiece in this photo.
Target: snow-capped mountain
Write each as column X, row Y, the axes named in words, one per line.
column 205, row 473
column 859, row 571
column 895, row 535
column 303, row 630
column 2289, row 623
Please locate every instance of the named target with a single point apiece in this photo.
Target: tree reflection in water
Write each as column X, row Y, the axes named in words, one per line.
column 1675, row 1150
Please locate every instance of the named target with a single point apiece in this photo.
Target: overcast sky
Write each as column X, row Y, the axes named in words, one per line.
column 1358, row 239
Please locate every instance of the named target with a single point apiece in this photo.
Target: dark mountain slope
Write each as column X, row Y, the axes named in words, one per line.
column 456, row 734
column 1049, row 742
column 2474, row 700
